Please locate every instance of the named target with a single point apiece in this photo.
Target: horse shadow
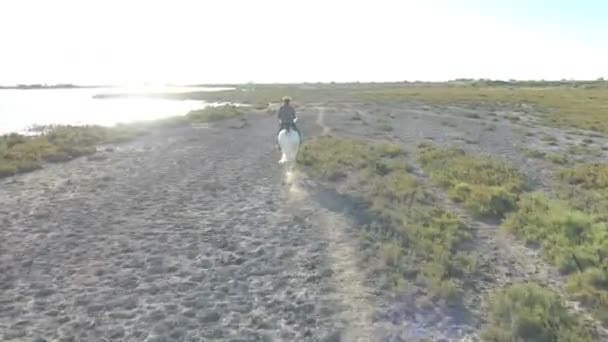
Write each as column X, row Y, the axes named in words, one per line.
column 403, row 306
column 351, row 206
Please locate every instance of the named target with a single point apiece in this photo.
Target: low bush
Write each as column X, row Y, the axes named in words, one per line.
column 486, row 186
column 529, row 312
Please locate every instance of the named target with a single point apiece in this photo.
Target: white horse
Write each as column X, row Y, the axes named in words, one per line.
column 289, row 141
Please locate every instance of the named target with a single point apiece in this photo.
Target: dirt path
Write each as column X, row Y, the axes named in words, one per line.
column 185, row 235
column 321, row 121
column 335, row 226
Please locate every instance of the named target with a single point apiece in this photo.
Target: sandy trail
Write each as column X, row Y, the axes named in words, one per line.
column 321, row 121
column 337, row 228
column 180, row 236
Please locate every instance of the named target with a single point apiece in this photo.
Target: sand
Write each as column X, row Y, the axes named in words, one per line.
column 195, row 234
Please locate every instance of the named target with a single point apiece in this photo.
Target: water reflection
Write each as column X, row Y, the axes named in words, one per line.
column 21, row 109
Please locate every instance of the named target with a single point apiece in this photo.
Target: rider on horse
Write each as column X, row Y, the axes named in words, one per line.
column 287, row 117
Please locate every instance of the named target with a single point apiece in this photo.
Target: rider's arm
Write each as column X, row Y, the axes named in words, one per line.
column 283, row 114
column 293, row 113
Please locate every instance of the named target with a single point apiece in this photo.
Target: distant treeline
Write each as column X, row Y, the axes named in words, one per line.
column 46, row 86
column 459, row 81
column 532, row 83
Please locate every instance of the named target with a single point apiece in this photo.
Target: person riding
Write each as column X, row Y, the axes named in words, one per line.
column 287, row 117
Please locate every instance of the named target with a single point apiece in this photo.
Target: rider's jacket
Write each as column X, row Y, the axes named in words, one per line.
column 287, row 114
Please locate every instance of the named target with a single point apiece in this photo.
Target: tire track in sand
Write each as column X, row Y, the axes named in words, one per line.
column 349, row 282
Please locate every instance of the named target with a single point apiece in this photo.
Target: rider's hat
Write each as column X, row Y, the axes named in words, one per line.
column 286, row 99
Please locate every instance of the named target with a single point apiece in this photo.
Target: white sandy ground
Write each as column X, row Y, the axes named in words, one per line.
column 194, row 234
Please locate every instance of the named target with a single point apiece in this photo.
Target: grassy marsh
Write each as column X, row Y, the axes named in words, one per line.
column 416, row 240
column 583, row 107
column 23, row 153
column 571, row 230
column 19, row 153
column 530, row 312
column 485, row 185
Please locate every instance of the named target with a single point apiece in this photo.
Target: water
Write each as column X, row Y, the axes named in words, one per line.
column 22, row 109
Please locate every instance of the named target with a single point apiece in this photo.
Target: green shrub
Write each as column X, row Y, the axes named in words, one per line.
column 327, row 156
column 589, row 176
column 529, row 312
column 486, row 186
column 532, row 153
column 7, row 169
column 417, row 239
column 585, row 187
column 574, row 241
column 557, row 158
column 20, row 153
column 215, row 113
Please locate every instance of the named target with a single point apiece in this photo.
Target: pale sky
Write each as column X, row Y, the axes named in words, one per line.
column 229, row 41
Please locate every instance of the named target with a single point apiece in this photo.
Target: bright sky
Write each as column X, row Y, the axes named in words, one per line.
column 216, row 41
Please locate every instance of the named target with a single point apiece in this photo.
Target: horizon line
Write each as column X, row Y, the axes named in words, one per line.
column 193, row 84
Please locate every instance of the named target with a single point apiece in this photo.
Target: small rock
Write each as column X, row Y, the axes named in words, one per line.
column 210, row 317
column 327, row 273
column 116, row 332
column 213, row 333
column 158, row 338
column 205, row 263
column 14, row 334
column 259, row 323
column 63, row 319
column 308, row 308
column 312, row 279
column 122, row 315
column 52, row 313
column 39, row 339
column 197, row 277
column 326, row 311
column 161, row 328
column 97, row 157
column 44, row 293
column 243, row 309
column 157, row 315
column 333, row 337
column 95, row 308
column 42, row 215
column 189, row 313
column 177, row 334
